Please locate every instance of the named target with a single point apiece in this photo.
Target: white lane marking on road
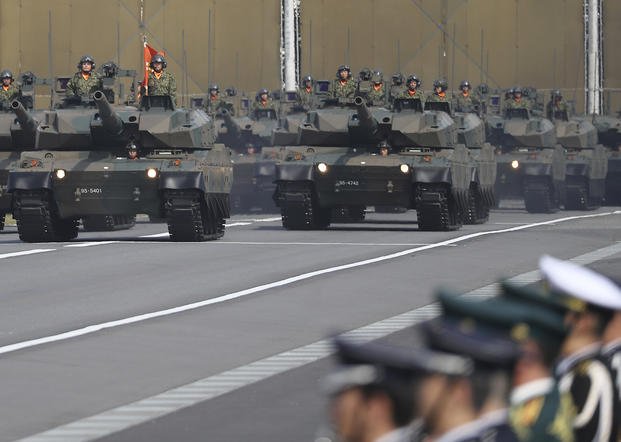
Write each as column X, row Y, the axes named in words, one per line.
column 242, row 222
column 259, row 243
column 238, row 224
column 126, row 416
column 92, row 243
column 24, row 253
column 155, row 235
column 283, row 282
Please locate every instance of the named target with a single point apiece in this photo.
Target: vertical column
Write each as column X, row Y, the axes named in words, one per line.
column 290, row 44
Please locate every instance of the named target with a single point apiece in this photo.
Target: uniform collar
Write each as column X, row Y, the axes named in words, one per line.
column 569, row 362
column 530, row 390
column 612, row 347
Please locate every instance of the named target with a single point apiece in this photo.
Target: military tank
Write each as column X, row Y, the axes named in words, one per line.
column 16, row 135
column 587, row 163
column 609, row 134
column 337, row 164
column 531, row 164
column 250, row 138
column 80, row 168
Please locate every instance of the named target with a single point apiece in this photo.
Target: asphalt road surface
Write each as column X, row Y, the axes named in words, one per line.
column 126, row 336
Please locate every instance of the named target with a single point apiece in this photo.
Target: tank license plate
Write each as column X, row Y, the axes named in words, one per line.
column 349, row 184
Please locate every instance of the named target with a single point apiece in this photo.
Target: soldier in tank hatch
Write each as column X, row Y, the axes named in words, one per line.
column 9, row 90
column 86, row 81
column 557, row 106
column 306, row 95
column 439, row 91
column 377, row 94
column 263, row 101
column 465, row 101
column 517, row 100
column 162, row 82
column 413, row 91
column 214, row 103
column 343, row 86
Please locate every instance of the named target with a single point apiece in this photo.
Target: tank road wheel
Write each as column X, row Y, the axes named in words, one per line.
column 300, row 211
column 436, row 209
column 191, row 218
column 477, row 210
column 37, row 220
column 540, row 196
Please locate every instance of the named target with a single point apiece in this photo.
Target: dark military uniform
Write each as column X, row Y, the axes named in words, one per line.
column 540, row 412
column 586, row 378
column 343, row 89
column 84, row 86
column 164, row 84
column 9, row 93
column 611, row 354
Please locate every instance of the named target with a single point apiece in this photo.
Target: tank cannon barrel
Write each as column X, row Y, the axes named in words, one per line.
column 26, row 121
column 230, row 124
column 109, row 119
column 366, row 119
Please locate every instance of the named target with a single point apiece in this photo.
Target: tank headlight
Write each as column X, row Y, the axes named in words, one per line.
column 515, row 164
column 152, row 173
column 322, row 167
column 404, row 168
column 60, row 174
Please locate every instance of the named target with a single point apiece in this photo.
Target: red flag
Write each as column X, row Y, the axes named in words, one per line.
column 149, row 52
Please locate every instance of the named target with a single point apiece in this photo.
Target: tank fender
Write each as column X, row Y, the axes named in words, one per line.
column 266, row 168
column 182, row 180
column 577, row 169
column 432, row 175
column 29, row 181
column 294, row 172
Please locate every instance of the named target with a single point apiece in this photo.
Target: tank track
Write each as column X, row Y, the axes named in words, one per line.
column 477, row 211
column 2, row 220
column 540, row 196
column 37, row 218
column 192, row 218
column 107, row 223
column 577, row 196
column 348, row 214
column 300, row 210
column 436, row 208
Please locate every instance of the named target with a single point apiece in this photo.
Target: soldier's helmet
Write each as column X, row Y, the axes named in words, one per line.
column 214, row 87
column 364, row 74
column 307, row 80
column 377, row 77
column 517, row 90
column 383, row 145
column 86, row 59
column 397, row 79
column 441, row 83
column 6, row 74
column 262, row 92
column 508, row 93
column 158, row 58
column 483, row 88
column 415, row 79
column 342, row 68
column 465, row 84
column 557, row 94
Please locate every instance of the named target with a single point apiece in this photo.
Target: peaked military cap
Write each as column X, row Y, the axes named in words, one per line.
column 580, row 283
column 518, row 320
column 540, row 297
column 458, row 332
column 372, row 363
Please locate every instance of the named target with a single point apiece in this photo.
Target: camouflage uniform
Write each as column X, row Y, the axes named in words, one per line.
column 542, row 413
column 84, row 87
column 165, row 85
column 306, row 98
column 377, row 97
column 418, row 95
column 434, row 98
column 214, row 105
column 9, row 94
column 556, row 106
column 343, row 90
column 522, row 103
column 261, row 105
column 465, row 103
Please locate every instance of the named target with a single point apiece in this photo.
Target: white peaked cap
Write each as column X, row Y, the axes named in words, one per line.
column 580, row 282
